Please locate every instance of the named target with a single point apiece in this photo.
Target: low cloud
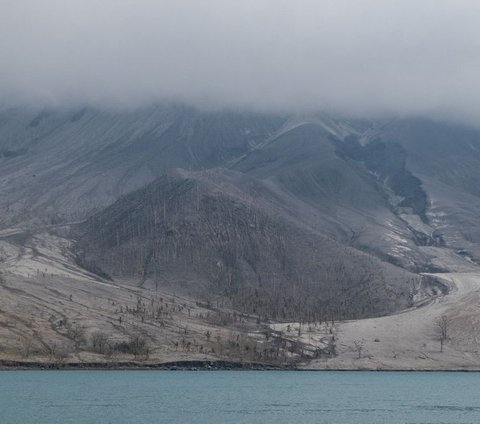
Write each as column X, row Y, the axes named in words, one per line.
column 369, row 57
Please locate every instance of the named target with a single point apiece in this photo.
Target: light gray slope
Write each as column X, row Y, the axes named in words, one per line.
column 352, row 178
column 446, row 158
column 359, row 198
column 61, row 164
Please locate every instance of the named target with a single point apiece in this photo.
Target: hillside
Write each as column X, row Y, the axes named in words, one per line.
column 58, row 165
column 287, row 237
column 208, row 239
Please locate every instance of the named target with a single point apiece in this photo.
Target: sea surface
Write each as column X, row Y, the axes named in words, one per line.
column 222, row 397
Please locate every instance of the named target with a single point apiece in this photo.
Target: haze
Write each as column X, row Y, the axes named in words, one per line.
column 362, row 58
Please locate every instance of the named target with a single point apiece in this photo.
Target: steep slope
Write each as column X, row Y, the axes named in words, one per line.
column 363, row 194
column 217, row 240
column 446, row 158
column 60, row 164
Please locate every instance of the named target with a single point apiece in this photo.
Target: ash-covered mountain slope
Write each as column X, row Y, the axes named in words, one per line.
column 363, row 195
column 401, row 191
column 254, row 223
column 446, row 158
column 224, row 235
column 61, row 164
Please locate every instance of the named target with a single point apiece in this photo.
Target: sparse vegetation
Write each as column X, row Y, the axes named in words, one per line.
column 359, row 347
column 250, row 258
column 100, row 342
column 442, row 326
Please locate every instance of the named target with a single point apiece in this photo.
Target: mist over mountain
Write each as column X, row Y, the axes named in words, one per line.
column 370, row 59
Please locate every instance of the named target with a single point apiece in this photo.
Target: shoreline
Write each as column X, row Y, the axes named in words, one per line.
column 7, row 365
column 11, row 365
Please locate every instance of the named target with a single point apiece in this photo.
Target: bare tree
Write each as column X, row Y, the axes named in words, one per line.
column 442, row 325
column 100, row 342
column 27, row 346
column 359, row 346
column 139, row 347
column 76, row 333
column 57, row 353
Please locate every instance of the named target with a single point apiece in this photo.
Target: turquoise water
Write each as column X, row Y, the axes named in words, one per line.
column 238, row 397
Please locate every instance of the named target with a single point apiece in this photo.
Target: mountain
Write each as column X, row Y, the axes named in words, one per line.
column 199, row 229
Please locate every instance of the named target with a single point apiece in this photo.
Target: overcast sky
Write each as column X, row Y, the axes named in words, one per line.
column 355, row 56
